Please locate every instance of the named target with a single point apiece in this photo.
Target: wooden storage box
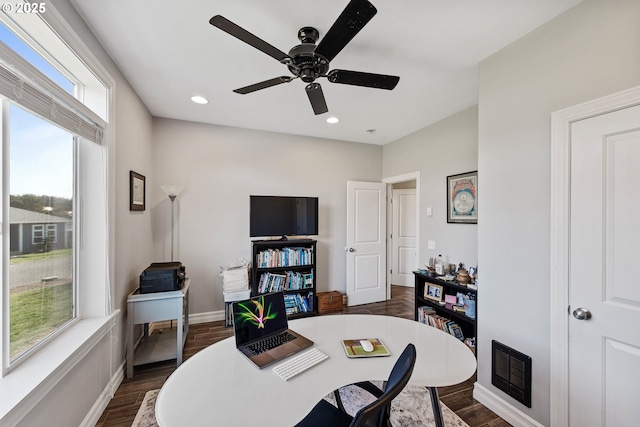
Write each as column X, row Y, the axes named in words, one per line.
column 329, row 302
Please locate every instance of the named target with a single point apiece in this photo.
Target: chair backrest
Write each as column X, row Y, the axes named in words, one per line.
column 376, row 414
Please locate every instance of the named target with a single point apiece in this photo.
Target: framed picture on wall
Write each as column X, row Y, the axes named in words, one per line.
column 462, row 198
column 136, row 191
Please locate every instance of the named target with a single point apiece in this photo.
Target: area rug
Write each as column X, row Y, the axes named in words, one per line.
column 412, row 408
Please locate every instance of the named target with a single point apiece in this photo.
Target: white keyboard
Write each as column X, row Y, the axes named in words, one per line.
column 299, row 363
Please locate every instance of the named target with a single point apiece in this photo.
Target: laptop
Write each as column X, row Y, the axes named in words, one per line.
column 262, row 332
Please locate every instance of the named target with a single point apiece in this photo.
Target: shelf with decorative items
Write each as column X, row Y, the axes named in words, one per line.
column 288, row 266
column 444, row 302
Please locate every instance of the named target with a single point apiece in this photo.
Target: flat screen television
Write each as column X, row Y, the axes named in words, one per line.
column 283, row 216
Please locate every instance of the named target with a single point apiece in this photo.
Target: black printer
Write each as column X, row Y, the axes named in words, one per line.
column 162, row 277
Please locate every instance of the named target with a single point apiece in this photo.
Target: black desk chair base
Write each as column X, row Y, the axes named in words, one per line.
column 375, row 414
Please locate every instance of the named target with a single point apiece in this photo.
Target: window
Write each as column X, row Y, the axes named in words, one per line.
column 53, row 157
column 38, row 235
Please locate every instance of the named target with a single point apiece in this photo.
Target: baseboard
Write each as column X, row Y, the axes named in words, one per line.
column 506, row 411
column 105, row 397
column 211, row 316
column 194, row 319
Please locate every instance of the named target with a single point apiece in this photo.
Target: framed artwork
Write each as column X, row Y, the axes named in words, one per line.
column 462, row 198
column 433, row 292
column 136, row 191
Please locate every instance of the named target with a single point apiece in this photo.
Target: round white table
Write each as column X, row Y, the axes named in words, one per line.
column 221, row 387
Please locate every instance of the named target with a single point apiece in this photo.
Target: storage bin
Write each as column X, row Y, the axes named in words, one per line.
column 329, row 302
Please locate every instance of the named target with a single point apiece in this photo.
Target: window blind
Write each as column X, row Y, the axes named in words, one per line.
column 28, row 87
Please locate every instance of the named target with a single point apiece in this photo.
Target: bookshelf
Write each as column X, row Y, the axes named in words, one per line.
column 289, row 266
column 446, row 316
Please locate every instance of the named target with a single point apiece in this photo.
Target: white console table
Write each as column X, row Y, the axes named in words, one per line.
column 156, row 307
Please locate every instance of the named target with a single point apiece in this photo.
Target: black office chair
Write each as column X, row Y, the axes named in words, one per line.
column 375, row 414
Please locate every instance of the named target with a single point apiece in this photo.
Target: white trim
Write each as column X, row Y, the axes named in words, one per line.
column 411, row 176
column 194, row 319
column 65, row 31
column 211, row 316
column 504, row 409
column 105, row 397
column 561, row 122
column 24, row 387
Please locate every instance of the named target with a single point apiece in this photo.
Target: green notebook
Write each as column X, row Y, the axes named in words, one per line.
column 353, row 348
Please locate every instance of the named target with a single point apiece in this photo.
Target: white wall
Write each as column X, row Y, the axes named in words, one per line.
column 219, row 167
column 72, row 398
column 590, row 51
column 447, row 147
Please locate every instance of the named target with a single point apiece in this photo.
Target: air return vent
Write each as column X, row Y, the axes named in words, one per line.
column 511, row 372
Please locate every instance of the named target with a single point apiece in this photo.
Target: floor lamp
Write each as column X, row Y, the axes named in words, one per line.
column 172, row 191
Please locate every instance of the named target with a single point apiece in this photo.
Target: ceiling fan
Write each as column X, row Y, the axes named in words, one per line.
column 309, row 61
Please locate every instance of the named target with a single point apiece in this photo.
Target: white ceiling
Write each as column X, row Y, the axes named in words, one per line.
column 168, row 52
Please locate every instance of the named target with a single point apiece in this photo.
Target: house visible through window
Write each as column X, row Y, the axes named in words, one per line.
column 41, row 174
column 45, row 130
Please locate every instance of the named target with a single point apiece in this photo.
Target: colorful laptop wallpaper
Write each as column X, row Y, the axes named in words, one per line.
column 252, row 311
column 258, row 317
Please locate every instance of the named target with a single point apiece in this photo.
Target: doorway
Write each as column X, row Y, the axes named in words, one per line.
column 594, row 348
column 368, row 244
column 403, row 229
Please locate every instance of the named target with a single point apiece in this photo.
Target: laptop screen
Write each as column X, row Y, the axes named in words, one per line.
column 258, row 317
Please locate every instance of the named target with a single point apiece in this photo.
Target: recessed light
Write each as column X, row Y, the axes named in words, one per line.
column 199, row 99
column 333, row 120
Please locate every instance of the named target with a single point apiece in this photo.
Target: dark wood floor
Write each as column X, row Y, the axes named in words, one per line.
column 122, row 409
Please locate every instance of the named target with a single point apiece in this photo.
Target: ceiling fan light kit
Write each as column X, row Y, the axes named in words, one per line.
column 308, row 61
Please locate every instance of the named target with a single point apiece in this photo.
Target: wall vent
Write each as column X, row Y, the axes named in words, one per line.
column 511, row 372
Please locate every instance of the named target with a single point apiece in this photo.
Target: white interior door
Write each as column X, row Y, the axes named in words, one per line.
column 366, row 242
column 403, row 237
column 604, row 350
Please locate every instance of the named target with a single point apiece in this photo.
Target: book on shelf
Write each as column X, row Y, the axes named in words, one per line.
column 271, row 282
column 287, row 281
column 297, row 280
column 285, row 257
column 429, row 316
column 297, row 303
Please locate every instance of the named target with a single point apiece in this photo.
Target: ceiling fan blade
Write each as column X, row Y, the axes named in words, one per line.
column 263, row 85
column 314, row 92
column 352, row 19
column 358, row 78
column 240, row 33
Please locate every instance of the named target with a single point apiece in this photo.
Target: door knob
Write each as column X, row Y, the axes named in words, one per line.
column 349, row 249
column 582, row 313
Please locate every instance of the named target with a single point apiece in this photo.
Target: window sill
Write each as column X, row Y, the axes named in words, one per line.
column 26, row 385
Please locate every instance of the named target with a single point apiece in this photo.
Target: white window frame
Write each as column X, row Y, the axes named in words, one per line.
column 94, row 235
column 39, row 229
column 52, row 231
column 37, row 234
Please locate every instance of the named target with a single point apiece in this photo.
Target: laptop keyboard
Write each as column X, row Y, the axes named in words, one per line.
column 270, row 342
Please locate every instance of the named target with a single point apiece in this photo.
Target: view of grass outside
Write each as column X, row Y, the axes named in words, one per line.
column 38, row 307
column 37, row 313
column 41, row 285
column 41, row 235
